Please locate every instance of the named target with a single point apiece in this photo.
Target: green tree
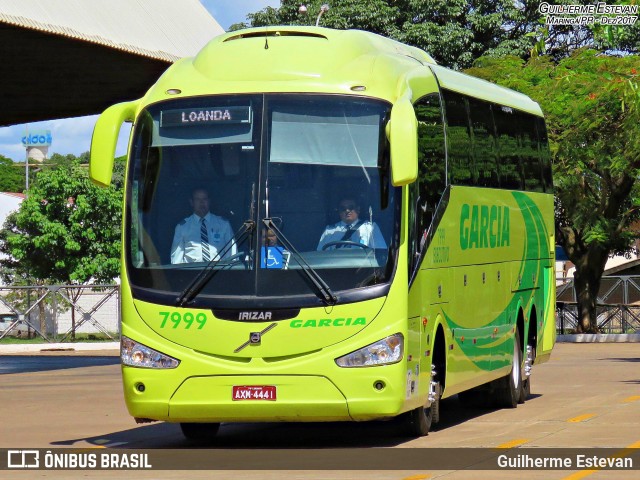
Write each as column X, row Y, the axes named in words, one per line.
column 11, row 175
column 66, row 231
column 591, row 102
column 57, row 159
column 456, row 32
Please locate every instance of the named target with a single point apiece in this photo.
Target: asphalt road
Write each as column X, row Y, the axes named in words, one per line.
column 587, row 396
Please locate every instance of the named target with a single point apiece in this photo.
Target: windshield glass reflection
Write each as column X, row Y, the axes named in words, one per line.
column 318, row 169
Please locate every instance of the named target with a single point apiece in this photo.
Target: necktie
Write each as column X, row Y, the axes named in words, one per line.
column 204, row 238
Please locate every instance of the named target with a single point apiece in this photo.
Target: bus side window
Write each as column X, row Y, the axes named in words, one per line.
column 530, row 154
column 545, row 156
column 430, row 185
column 507, row 128
column 485, row 156
column 461, row 168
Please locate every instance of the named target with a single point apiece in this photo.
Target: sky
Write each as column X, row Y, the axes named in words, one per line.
column 74, row 135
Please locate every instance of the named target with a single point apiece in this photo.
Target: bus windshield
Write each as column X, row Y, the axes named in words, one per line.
column 209, row 176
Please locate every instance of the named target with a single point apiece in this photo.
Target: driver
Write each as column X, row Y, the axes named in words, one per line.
column 350, row 229
column 201, row 236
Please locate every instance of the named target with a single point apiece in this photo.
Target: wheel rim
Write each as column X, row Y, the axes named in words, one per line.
column 515, row 371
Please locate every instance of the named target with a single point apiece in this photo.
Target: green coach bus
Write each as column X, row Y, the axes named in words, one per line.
column 380, row 235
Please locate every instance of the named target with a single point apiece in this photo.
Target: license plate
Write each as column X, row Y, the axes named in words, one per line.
column 254, row 392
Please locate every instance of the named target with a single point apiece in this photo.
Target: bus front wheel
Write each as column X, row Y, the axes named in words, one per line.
column 418, row 422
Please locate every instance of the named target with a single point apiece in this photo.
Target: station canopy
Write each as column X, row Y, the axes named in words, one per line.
column 68, row 58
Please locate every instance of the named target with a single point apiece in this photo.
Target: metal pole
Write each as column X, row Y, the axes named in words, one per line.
column 26, row 164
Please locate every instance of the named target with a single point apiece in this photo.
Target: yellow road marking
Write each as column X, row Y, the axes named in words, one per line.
column 635, row 398
column 417, row 477
column 513, row 443
column 579, row 475
column 621, row 454
column 581, row 418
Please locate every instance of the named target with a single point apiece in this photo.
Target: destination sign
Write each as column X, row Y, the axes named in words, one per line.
column 189, row 117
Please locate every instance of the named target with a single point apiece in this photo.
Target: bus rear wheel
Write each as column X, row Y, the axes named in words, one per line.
column 200, row 432
column 509, row 388
column 525, row 392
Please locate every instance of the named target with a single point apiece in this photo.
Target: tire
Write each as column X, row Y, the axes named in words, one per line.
column 525, row 391
column 416, row 423
column 509, row 388
column 200, row 432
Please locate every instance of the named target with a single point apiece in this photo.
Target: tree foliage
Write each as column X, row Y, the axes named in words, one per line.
column 11, row 175
column 456, row 32
column 66, row 231
column 591, row 102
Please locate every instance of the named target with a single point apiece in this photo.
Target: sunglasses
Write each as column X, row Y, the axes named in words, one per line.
column 351, row 207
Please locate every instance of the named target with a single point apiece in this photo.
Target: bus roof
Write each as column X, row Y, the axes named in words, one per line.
column 294, row 59
column 479, row 88
column 317, row 59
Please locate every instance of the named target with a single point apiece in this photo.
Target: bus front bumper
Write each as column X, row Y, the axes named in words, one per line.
column 298, row 398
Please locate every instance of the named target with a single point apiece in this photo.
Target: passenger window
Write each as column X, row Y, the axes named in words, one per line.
column 461, row 169
column 507, row 127
column 530, row 154
column 485, row 156
column 545, row 157
column 431, row 183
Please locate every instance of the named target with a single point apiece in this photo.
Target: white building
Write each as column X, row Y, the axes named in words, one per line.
column 9, row 202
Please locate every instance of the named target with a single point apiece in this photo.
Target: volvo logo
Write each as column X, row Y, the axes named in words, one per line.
column 255, row 337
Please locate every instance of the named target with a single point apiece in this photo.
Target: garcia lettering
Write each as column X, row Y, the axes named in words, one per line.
column 484, row 226
column 328, row 322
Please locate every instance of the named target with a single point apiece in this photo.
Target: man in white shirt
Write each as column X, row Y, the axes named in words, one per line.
column 351, row 229
column 201, row 236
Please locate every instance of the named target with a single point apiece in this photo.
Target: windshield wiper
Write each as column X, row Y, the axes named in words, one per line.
column 322, row 289
column 208, row 272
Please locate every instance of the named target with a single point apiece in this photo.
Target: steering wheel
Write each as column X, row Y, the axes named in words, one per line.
column 345, row 243
column 238, row 257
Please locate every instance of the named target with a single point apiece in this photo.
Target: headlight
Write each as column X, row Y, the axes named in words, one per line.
column 135, row 354
column 383, row 352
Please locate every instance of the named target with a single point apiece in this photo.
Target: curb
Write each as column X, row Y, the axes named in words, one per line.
column 53, row 347
column 600, row 338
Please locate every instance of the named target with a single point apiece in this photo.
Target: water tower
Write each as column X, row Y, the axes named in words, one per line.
column 37, row 144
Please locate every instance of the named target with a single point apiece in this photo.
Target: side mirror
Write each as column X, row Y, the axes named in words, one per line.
column 104, row 140
column 403, row 137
